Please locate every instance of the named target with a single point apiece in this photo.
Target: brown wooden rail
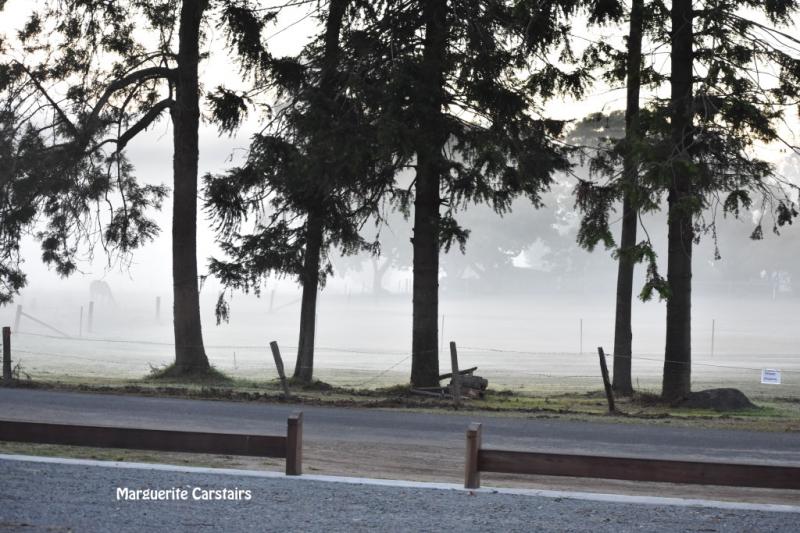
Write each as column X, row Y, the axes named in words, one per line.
column 288, row 447
column 627, row 468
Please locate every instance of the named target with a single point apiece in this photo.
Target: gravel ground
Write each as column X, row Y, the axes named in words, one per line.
column 63, row 497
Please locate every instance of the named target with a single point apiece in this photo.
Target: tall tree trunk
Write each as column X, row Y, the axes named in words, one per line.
column 430, row 145
column 304, row 367
column 678, row 352
column 190, row 354
column 623, row 334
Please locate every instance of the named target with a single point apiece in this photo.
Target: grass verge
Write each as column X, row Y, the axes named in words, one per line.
column 771, row 414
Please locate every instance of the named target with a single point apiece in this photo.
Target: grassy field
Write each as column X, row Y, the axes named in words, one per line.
column 531, row 345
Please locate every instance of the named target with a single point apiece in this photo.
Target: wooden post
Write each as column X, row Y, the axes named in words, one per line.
column 456, row 376
column 91, row 317
column 17, row 318
column 580, row 332
column 472, row 477
column 606, row 381
column 276, row 354
column 713, row 331
column 271, row 300
column 294, row 445
column 158, row 308
column 7, row 354
column 80, row 324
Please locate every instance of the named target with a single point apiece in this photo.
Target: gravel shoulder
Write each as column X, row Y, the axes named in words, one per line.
column 61, row 497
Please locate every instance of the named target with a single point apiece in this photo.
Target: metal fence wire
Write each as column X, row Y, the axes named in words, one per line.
column 44, row 356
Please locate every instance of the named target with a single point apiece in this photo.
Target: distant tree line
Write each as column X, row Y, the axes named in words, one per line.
column 417, row 107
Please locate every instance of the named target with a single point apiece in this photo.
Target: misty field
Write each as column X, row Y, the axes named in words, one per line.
column 540, row 343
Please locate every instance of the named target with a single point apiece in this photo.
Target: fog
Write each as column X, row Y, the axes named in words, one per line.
column 523, row 302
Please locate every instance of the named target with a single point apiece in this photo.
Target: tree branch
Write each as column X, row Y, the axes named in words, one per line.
column 134, row 77
column 140, row 125
column 73, row 129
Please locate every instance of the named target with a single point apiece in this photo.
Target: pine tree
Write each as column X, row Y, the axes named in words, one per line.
column 618, row 160
column 700, row 148
column 472, row 125
column 311, row 180
column 118, row 85
column 623, row 334
column 715, row 119
column 68, row 195
column 680, row 195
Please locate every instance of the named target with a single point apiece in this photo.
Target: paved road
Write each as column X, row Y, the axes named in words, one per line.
column 373, row 426
column 85, row 498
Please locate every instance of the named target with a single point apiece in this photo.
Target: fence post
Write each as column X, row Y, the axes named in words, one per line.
column 472, row 477
column 606, row 381
column 18, row 317
column 456, row 376
column 91, row 317
column 7, row 354
column 276, row 354
column 158, row 308
column 294, row 445
column 713, row 331
column 80, row 324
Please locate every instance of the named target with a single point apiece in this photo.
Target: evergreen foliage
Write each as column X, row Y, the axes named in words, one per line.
column 709, row 166
column 452, row 89
column 59, row 183
column 120, row 67
column 312, row 176
column 472, row 123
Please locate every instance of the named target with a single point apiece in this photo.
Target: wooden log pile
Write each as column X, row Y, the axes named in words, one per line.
column 472, row 386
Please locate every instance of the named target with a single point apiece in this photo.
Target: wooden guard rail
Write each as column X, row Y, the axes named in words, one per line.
column 289, row 447
column 627, row 468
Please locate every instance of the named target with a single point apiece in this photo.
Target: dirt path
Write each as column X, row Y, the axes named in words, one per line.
column 434, row 463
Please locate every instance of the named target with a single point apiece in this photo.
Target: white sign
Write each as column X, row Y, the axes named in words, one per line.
column 770, row 376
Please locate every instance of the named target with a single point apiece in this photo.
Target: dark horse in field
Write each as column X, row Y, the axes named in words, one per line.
column 100, row 293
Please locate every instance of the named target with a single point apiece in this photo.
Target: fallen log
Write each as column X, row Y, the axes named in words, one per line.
column 421, row 392
column 471, row 386
column 460, row 373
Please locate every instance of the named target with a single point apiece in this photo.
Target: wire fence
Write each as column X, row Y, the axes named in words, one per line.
column 518, row 344
column 44, row 356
